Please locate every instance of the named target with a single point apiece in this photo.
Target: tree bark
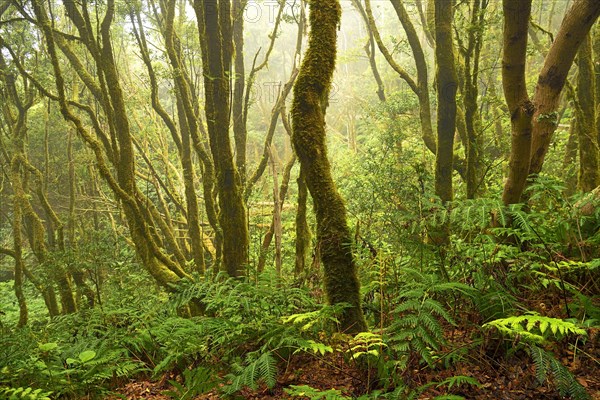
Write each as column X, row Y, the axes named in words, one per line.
column 586, row 119
column 302, row 229
column 573, row 30
column 308, row 124
column 264, row 247
column 520, row 107
column 240, row 133
column 215, row 30
column 472, row 117
column 446, row 84
column 137, row 208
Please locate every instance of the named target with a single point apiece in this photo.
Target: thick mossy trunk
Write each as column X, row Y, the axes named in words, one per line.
column 308, row 123
column 596, row 63
column 447, row 84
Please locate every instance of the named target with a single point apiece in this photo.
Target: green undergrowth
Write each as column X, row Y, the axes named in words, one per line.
column 429, row 309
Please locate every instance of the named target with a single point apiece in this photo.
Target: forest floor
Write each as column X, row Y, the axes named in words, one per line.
column 500, row 376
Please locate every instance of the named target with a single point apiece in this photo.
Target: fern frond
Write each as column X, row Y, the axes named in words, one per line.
column 535, row 328
column 24, row 393
column 263, row 368
column 565, row 382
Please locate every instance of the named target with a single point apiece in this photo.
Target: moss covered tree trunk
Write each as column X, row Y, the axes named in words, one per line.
column 18, row 197
column 586, row 119
column 216, row 39
column 471, row 78
column 115, row 142
column 596, row 63
column 447, row 85
column 308, row 125
column 516, row 23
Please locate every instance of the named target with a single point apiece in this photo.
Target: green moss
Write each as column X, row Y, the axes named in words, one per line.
column 308, row 123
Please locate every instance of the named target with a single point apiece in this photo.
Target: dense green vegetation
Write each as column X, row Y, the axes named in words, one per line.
column 192, row 208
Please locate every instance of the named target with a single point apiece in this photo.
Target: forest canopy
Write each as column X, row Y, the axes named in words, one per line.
column 323, row 199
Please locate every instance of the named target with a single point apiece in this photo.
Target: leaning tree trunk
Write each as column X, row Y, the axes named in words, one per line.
column 575, row 26
column 308, row 123
column 534, row 121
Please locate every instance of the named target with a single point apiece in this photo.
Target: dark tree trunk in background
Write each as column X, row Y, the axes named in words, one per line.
column 471, row 91
column 302, row 228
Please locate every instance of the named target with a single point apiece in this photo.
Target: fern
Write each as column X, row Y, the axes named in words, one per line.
column 264, row 368
column 24, row 394
column 417, row 327
column 459, row 380
column 535, row 328
column 366, row 344
column 547, row 365
column 195, row 382
column 305, row 391
column 320, row 318
column 314, row 347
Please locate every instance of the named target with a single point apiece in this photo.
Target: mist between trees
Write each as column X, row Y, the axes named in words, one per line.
column 205, row 195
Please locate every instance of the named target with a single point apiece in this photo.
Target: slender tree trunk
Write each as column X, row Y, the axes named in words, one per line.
column 303, row 238
column 422, row 73
column 237, row 108
column 264, row 248
column 19, row 196
column 586, row 118
column 570, row 158
column 276, row 213
column 308, row 123
column 472, row 118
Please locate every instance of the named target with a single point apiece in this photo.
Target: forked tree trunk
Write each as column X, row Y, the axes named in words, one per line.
column 216, row 39
column 575, row 26
column 534, row 121
column 516, row 25
column 308, row 123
